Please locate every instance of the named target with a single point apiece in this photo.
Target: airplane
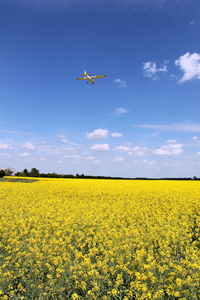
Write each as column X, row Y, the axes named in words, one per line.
column 90, row 78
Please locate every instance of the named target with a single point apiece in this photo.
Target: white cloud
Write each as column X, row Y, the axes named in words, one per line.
column 195, row 138
column 150, row 69
column 100, row 147
column 120, row 110
column 121, row 83
column 64, row 141
column 93, row 160
column 90, row 158
column 29, row 146
column 138, row 151
column 122, row 148
column 171, row 141
column 5, row 147
column 25, row 154
column 171, row 149
column 192, row 22
column 198, row 153
column 59, row 161
column 183, row 127
column 116, row 134
column 118, row 159
column 163, row 69
column 190, row 65
column 150, row 163
column 97, row 134
column 42, row 159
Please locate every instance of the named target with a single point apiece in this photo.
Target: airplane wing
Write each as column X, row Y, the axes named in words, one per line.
column 99, row 76
column 83, row 78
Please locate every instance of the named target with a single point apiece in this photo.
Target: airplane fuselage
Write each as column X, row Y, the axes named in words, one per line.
column 90, row 79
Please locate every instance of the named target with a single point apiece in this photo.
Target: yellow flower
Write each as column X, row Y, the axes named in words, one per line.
column 114, row 292
column 67, row 235
column 178, row 282
column 75, row 296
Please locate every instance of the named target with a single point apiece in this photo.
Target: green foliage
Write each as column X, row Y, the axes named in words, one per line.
column 14, row 179
column 2, row 173
column 8, row 172
column 26, row 173
column 34, row 172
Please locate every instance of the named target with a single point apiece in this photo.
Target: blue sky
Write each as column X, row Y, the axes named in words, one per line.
column 142, row 120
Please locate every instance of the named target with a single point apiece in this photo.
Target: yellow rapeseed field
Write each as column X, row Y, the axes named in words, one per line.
column 99, row 239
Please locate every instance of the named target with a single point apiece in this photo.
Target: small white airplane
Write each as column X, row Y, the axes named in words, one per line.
column 90, row 78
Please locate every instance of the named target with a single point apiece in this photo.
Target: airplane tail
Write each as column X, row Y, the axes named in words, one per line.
column 85, row 73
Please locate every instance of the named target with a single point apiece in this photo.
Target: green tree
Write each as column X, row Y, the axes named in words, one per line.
column 8, row 172
column 2, row 173
column 34, row 172
column 26, row 173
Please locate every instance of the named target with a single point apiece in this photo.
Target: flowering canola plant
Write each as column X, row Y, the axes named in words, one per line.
column 99, row 239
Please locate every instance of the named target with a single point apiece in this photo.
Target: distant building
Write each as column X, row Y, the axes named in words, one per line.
column 11, row 169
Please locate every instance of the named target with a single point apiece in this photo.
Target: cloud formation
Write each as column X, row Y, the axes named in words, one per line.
column 195, row 138
column 150, row 69
column 118, row 159
column 122, row 149
column 100, row 147
column 139, row 151
column 136, row 150
column 119, row 111
column 28, row 146
column 25, row 154
column 120, row 82
column 97, row 134
column 171, row 141
column 150, row 163
column 64, row 141
column 93, row 160
column 170, row 149
column 5, row 147
column 190, row 65
column 116, row 134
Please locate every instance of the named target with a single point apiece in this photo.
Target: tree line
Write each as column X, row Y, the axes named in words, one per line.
column 36, row 173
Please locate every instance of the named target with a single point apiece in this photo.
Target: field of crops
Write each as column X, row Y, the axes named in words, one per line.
column 99, row 239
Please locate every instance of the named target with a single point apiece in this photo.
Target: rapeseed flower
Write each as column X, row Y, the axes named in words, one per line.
column 99, row 239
